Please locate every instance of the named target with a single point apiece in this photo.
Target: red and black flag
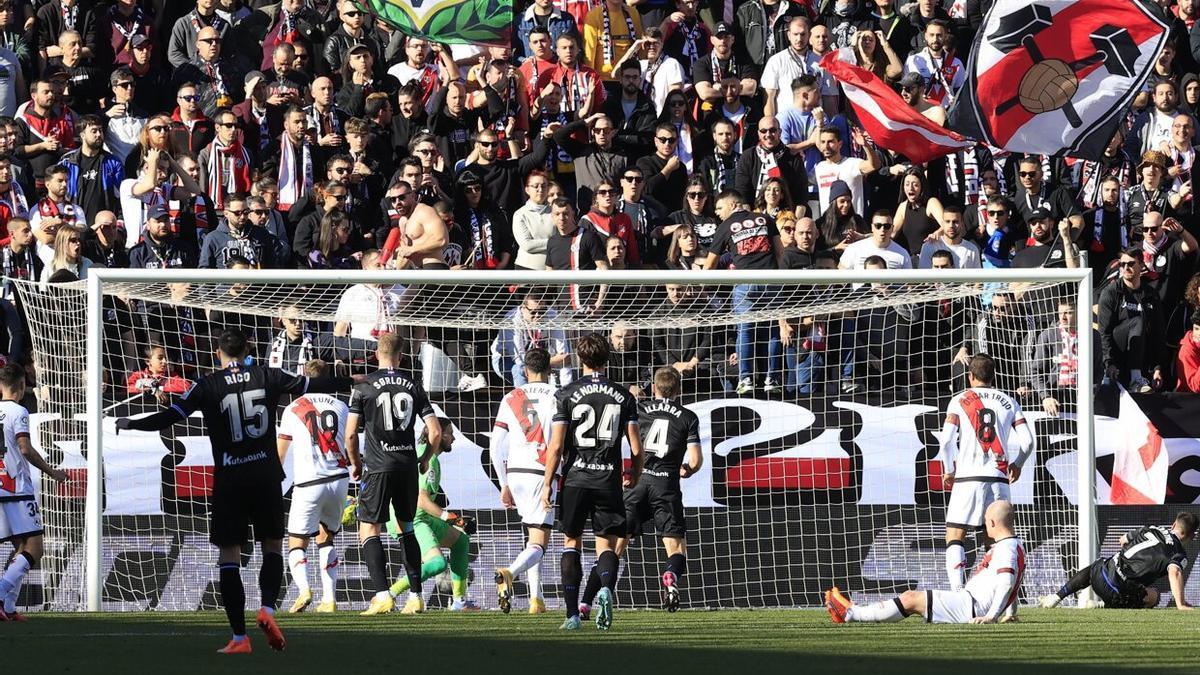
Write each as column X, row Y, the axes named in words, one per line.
column 1057, row 76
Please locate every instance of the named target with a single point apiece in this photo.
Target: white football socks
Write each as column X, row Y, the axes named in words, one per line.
column 298, row 564
column 886, row 611
column 329, row 565
column 529, row 557
column 534, row 578
column 956, row 565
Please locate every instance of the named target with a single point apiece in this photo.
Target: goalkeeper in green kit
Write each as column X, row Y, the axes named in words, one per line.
column 436, row 527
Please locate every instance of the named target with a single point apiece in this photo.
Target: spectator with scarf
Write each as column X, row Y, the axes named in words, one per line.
column 216, row 78
column 770, row 158
column 608, row 31
column 1055, row 367
column 13, row 202
column 608, row 221
column 482, row 228
column 118, row 26
column 235, row 238
column 290, row 160
column 154, row 187
column 59, row 16
column 225, row 164
column 288, row 22
column 182, row 45
column 1168, row 258
column 55, row 209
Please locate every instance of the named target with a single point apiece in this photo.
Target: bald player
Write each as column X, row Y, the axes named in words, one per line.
column 995, row 586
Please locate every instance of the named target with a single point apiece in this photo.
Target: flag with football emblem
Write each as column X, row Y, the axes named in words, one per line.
column 1057, row 76
column 483, row 22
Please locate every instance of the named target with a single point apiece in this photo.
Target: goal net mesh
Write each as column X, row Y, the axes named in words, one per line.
column 820, row 408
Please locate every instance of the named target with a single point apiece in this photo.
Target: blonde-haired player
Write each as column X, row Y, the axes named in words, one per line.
column 985, row 441
column 518, row 447
column 20, row 520
column 313, row 424
column 992, row 590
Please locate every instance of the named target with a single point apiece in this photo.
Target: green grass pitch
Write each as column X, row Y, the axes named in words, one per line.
column 727, row 641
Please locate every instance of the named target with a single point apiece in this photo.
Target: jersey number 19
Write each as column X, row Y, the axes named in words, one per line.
column 397, row 409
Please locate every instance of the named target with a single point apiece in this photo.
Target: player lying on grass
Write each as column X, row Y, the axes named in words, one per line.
column 670, row 435
column 20, row 519
column 436, row 527
column 1124, row 580
column 983, row 599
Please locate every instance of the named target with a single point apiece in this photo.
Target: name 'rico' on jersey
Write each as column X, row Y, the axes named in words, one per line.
column 667, row 430
column 389, row 403
column 596, row 413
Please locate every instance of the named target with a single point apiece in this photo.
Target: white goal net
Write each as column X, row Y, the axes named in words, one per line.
column 820, row 403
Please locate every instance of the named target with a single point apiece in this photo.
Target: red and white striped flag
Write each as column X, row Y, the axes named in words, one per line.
column 888, row 119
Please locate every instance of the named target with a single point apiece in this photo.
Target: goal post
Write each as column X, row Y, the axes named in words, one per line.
column 801, row 485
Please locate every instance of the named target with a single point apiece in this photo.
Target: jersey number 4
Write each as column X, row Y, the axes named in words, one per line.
column 246, row 413
column 585, row 415
column 397, row 409
column 656, row 438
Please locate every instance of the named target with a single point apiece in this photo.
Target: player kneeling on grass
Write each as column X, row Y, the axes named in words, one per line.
column 1124, row 580
column 20, row 519
column 994, row 587
column 670, row 432
column 436, row 527
column 313, row 424
column 518, row 451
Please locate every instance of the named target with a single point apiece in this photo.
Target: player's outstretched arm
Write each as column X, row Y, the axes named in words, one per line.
column 1175, row 575
column 156, row 422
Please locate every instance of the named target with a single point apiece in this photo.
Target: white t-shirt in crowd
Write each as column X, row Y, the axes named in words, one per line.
column 966, row 254
column 848, row 170
column 856, row 254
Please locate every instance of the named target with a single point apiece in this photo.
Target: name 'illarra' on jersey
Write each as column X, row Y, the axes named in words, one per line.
column 667, row 430
column 596, row 413
column 390, row 402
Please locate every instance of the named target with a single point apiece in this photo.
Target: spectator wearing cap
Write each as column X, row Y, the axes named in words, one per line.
column 59, row 16
column 1152, row 193
column 1049, row 243
column 1032, row 192
column 152, row 85
column 762, row 27
column 1131, row 327
column 125, row 118
column 481, row 229
column 840, row 224
column 160, row 246
column 912, row 90
column 543, row 14
column 191, row 130
column 353, row 30
column 182, row 45
column 719, row 63
column 360, row 80
column 117, row 27
column 215, row 77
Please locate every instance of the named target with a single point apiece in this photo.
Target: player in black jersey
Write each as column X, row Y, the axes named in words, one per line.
column 388, row 404
column 239, row 403
column 670, row 433
column 1124, row 580
column 591, row 415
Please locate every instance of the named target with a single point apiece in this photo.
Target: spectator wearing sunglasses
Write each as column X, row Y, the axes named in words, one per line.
column 182, row 45
column 1033, row 192
column 596, row 158
column 665, row 175
column 1131, row 327
column 502, row 178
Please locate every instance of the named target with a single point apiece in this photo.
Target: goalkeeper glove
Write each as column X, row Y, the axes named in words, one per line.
column 349, row 513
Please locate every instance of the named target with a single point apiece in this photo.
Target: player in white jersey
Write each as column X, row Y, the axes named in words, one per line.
column 518, row 448
column 992, row 590
column 313, row 425
column 985, row 442
column 20, row 520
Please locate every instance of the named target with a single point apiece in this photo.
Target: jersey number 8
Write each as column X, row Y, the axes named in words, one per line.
column 397, row 409
column 585, row 415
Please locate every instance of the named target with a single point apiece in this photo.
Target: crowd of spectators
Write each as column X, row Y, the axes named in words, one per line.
column 675, row 134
